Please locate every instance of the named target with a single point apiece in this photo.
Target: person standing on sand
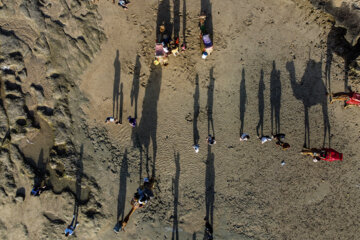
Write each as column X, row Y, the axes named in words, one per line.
column 210, row 140
column 70, row 229
column 123, row 4
column 208, row 231
column 132, row 121
column 244, row 137
column 264, row 139
column 280, row 141
column 196, row 147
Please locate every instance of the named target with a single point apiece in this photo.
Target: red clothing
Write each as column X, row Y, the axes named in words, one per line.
column 332, row 155
column 354, row 99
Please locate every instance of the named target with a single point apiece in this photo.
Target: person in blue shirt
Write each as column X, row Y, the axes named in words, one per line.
column 71, row 228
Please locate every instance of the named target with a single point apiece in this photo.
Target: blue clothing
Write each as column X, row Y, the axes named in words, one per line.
column 69, row 230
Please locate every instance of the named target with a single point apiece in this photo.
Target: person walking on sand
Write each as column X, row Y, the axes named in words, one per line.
column 123, row 4
column 264, row 139
column 280, row 141
column 210, row 140
column 132, row 121
column 208, row 231
column 196, row 147
column 71, row 228
column 244, row 137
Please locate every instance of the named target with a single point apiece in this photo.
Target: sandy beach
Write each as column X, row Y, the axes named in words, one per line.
column 68, row 65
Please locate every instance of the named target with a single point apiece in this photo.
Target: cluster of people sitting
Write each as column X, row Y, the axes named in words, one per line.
column 166, row 46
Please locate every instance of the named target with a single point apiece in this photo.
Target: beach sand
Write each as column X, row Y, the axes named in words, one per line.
column 270, row 72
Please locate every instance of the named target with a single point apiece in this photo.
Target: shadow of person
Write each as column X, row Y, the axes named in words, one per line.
column 135, row 85
column 261, row 90
column 163, row 18
column 311, row 91
column 124, row 173
column 146, row 132
column 206, row 7
column 176, row 14
column 210, row 102
column 116, row 87
column 196, row 110
column 210, row 187
column 243, row 101
column 175, row 191
column 275, row 99
column 40, row 181
column 184, row 21
column 134, row 95
column 121, row 103
column 337, row 43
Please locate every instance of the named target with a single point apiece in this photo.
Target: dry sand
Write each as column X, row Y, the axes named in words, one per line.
column 269, row 72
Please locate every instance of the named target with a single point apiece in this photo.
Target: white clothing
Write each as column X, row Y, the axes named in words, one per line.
column 265, row 139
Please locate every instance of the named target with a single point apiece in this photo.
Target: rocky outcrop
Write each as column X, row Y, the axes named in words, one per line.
column 45, row 45
column 345, row 12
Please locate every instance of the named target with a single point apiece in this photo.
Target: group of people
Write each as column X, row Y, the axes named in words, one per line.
column 210, row 140
column 166, row 46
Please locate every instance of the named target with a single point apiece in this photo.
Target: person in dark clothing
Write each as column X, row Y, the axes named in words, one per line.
column 280, row 141
column 208, row 231
column 132, row 121
column 210, row 140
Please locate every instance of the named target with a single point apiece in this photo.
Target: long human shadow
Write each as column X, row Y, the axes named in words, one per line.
column 146, row 132
column 210, row 102
column 176, row 14
column 124, row 173
column 116, row 87
column 184, row 21
column 79, row 175
column 134, row 96
column 275, row 99
column 40, row 170
column 243, row 101
column 135, row 85
column 121, row 103
column 337, row 43
column 261, row 90
column 196, row 110
column 210, row 186
column 206, row 7
column 175, row 191
column 311, row 90
column 163, row 18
